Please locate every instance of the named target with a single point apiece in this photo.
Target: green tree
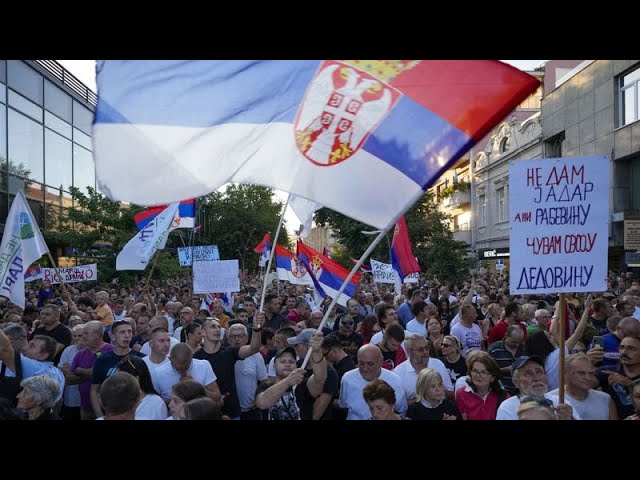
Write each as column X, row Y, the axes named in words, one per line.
column 237, row 219
column 97, row 229
column 440, row 256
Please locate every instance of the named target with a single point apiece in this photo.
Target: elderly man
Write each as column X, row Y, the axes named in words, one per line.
column 505, row 353
column 419, row 359
column 527, row 374
column 186, row 317
column 543, row 317
column 589, row 404
column 369, row 369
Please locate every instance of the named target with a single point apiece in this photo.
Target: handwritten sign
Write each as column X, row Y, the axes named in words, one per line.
column 559, row 212
column 632, row 234
column 216, row 276
column 81, row 273
column 412, row 278
column 203, row 252
column 382, row 272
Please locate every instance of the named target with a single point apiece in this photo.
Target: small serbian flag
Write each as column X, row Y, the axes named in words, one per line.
column 264, row 242
column 402, row 257
column 34, row 272
column 186, row 214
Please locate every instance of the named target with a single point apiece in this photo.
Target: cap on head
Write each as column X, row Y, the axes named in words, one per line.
column 520, row 361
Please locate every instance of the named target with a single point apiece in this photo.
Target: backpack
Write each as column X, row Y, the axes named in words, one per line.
column 10, row 386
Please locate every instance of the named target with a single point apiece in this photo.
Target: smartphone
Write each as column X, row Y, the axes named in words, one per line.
column 597, row 341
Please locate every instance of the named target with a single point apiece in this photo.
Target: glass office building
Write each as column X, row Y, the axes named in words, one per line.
column 45, row 138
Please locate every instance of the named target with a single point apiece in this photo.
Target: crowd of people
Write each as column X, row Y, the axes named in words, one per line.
column 434, row 352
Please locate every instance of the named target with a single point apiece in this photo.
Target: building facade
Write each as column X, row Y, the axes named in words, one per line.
column 595, row 112
column 45, row 138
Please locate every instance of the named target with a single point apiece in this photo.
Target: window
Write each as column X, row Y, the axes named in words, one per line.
column 501, row 205
column 628, row 98
column 83, row 168
column 59, row 160
column 505, row 145
column 56, row 101
column 3, row 93
column 482, row 200
column 26, row 152
column 553, row 146
column 25, row 80
column 82, row 118
column 82, row 139
column 57, row 124
column 25, row 106
column 3, row 71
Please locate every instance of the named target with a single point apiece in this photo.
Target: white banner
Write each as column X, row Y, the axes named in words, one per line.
column 22, row 244
column 216, row 276
column 81, row 273
column 382, row 272
column 412, row 278
column 138, row 251
column 559, row 215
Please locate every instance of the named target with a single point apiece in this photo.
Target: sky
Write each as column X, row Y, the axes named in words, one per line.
column 85, row 71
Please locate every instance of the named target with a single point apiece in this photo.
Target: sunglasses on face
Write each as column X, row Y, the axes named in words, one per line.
column 346, row 323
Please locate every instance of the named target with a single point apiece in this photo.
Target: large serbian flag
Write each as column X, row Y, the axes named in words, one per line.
column 186, row 212
column 312, row 128
column 328, row 274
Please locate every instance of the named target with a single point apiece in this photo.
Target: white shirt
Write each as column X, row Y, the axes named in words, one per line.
column 249, row 372
column 508, row 409
column 594, row 407
column 151, row 407
column 152, row 366
column 146, row 348
column 351, row 397
column 71, row 395
column 414, row 326
column 31, row 368
column 165, row 377
column 409, row 376
column 470, row 337
column 176, row 333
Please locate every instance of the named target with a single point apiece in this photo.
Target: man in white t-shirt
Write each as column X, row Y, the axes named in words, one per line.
column 160, row 345
column 183, row 365
column 370, row 360
column 527, row 373
column 466, row 331
column 158, row 322
column 418, row 349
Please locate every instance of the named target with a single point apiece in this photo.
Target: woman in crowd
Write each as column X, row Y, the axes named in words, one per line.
column 201, row 409
column 634, row 390
column 181, row 393
column 191, row 334
column 151, row 407
column 431, row 402
column 38, row 397
column 483, row 393
column 368, row 327
column 453, row 361
column 434, row 329
column 381, row 399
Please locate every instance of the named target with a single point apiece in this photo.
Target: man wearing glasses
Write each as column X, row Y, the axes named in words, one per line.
column 616, row 379
column 351, row 340
column 527, row 374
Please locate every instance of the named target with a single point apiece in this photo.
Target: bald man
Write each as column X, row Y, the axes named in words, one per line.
column 353, row 382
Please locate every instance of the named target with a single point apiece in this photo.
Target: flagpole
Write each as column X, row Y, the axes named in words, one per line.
column 64, row 288
column 353, row 271
column 273, row 251
column 153, row 267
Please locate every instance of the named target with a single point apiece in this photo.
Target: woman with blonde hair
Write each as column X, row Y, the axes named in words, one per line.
column 431, row 402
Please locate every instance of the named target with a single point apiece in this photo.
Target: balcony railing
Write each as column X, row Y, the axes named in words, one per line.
column 462, row 236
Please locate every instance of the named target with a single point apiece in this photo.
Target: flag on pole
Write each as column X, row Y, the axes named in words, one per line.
column 328, row 274
column 34, row 272
column 22, row 244
column 402, row 257
column 364, row 268
column 266, row 240
column 307, row 127
column 264, row 258
column 186, row 215
column 138, row 251
column 290, row 268
column 304, row 210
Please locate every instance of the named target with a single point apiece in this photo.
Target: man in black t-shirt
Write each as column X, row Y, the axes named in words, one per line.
column 50, row 326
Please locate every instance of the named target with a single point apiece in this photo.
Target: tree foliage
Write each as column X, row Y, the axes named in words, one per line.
column 237, row 219
column 439, row 255
column 97, row 229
